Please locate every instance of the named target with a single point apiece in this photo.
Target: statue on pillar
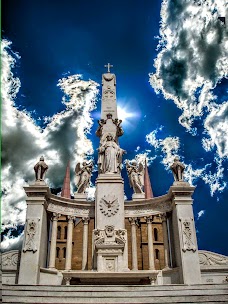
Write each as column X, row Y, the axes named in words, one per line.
column 136, row 176
column 83, row 175
column 118, row 122
column 110, row 156
column 40, row 168
column 178, row 170
column 101, row 123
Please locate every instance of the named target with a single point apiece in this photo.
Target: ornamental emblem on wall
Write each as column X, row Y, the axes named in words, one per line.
column 31, row 231
column 109, row 205
column 187, row 235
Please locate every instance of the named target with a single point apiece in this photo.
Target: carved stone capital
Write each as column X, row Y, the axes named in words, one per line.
column 153, row 279
column 149, row 219
column 133, row 220
column 55, row 216
column 70, row 218
column 85, row 220
column 67, row 280
column 163, row 217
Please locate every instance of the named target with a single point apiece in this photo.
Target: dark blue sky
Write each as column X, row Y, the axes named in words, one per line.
column 57, row 38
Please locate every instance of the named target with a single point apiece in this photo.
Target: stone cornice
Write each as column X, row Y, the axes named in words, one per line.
column 160, row 204
column 145, row 207
column 71, row 207
column 181, row 190
column 37, row 191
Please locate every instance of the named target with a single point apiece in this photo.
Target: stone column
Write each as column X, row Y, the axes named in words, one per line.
column 34, row 249
column 165, row 239
column 184, row 233
column 53, row 240
column 85, row 221
column 69, row 242
column 133, row 222
column 149, row 220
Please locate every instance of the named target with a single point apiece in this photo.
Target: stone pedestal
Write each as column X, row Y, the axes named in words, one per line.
column 110, row 237
column 138, row 196
column 80, row 196
column 184, row 234
column 34, row 249
column 109, row 204
column 110, row 247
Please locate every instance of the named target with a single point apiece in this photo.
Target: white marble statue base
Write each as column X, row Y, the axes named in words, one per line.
column 39, row 183
column 80, row 196
column 181, row 184
column 138, row 196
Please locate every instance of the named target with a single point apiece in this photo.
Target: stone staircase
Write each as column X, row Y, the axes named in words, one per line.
column 205, row 293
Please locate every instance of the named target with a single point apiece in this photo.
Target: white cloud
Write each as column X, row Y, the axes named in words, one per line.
column 215, row 180
column 193, row 58
column 169, row 146
column 200, row 213
column 192, row 175
column 11, row 243
column 91, row 193
column 64, row 138
column 216, row 125
column 141, row 157
column 137, row 149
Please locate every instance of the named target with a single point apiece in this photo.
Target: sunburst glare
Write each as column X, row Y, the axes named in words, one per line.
column 125, row 114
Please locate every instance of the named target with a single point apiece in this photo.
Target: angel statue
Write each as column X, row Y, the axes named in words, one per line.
column 110, row 156
column 83, row 175
column 136, row 176
column 178, row 169
column 40, row 169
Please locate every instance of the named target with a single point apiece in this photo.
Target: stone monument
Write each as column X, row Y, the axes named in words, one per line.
column 109, row 235
column 145, row 241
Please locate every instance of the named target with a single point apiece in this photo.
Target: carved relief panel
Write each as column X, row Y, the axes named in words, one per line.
column 109, row 205
column 30, row 235
column 188, row 234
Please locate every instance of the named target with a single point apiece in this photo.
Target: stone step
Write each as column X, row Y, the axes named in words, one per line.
column 222, row 299
column 118, row 287
column 115, row 294
column 131, row 291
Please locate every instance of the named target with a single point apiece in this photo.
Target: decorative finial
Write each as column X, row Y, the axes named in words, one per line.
column 108, row 66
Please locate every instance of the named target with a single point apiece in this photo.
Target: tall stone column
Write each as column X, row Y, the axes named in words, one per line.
column 69, row 242
column 85, row 221
column 165, row 239
column 34, row 249
column 53, row 240
column 149, row 220
column 184, row 233
column 133, row 222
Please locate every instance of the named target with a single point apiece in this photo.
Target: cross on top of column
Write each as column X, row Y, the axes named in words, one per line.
column 108, row 66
